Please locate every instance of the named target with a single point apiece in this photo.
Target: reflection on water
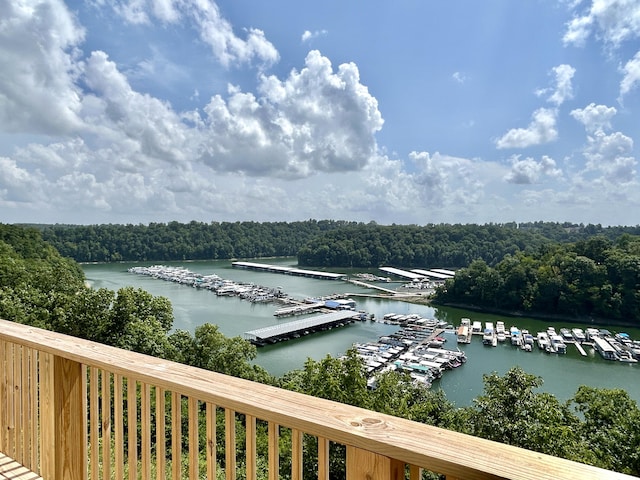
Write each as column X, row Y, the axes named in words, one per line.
column 192, row 307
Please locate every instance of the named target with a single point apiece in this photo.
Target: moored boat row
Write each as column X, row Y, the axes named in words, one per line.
column 618, row 347
column 220, row 286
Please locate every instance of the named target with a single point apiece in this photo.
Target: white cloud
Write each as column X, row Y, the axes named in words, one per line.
column 611, row 155
column 144, row 125
column 528, row 171
column 38, row 55
column 17, row 184
column 446, row 180
column 459, row 77
column 564, row 89
column 308, row 35
column 631, row 77
column 613, row 21
column 213, row 29
column 314, row 120
column 542, row 129
column 594, row 117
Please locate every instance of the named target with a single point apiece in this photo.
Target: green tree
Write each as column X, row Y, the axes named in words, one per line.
column 611, row 428
column 511, row 412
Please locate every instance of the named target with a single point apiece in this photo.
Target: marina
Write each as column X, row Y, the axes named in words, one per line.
column 192, row 307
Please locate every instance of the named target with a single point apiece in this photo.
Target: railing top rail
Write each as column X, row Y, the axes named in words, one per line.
column 447, row 452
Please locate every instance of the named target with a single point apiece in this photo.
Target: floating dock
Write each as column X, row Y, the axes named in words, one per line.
column 580, row 349
column 264, row 267
column 286, row 331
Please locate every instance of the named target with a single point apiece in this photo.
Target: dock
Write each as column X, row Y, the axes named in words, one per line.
column 580, row 349
column 371, row 286
column 264, row 267
column 287, row 331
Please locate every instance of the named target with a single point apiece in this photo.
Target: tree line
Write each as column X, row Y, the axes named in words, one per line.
column 597, row 426
column 317, row 243
column 183, row 241
column 593, row 278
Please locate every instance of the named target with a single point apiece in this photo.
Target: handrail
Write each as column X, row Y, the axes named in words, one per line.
column 78, row 379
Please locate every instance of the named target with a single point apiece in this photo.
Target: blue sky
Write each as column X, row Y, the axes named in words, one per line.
column 413, row 112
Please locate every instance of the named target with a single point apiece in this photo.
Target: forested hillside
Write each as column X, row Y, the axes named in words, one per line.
column 317, row 243
column 589, row 278
column 183, row 241
column 450, row 246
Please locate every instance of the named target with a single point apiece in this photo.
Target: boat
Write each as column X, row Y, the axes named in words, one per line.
column 566, row 334
column 543, row 340
column 476, row 328
column 578, row 334
column 464, row 334
column 516, row 336
column 488, row 337
column 558, row 344
column 501, row 335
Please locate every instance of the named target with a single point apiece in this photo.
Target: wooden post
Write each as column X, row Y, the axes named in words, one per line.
column 362, row 464
column 62, row 418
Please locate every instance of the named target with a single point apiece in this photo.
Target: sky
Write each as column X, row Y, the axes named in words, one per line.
column 410, row 112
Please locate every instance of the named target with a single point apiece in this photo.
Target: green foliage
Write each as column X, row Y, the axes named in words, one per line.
column 611, row 428
column 561, row 280
column 511, row 412
column 180, row 241
column 208, row 348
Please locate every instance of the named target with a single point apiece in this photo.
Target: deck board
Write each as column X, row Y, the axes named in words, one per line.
column 12, row 470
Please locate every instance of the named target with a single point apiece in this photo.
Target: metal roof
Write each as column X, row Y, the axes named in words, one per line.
column 297, row 325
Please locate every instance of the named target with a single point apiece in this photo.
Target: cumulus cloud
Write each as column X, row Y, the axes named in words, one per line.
column 631, row 78
column 542, row 129
column 444, row 179
column 308, row 35
column 38, row 61
column 213, row 28
column 145, row 125
column 611, row 156
column 594, row 117
column 528, row 171
column 313, row 120
column 613, row 21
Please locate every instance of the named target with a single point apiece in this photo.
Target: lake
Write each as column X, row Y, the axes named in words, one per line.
column 192, row 307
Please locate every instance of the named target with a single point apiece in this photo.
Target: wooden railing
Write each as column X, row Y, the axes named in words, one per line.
column 73, row 409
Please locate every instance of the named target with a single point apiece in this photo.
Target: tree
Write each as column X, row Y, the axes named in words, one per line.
column 511, row 412
column 611, row 428
column 211, row 350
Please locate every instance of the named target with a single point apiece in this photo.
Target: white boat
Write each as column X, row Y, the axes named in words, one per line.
column 488, row 337
column 558, row 344
column 501, row 335
column 566, row 334
column 516, row 336
column 543, row 340
column 578, row 334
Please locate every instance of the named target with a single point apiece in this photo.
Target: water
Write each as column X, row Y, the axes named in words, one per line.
column 192, row 307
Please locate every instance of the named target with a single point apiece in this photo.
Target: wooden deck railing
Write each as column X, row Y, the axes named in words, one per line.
column 73, row 409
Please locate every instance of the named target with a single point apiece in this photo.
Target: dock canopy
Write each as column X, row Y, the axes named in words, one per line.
column 431, row 274
column 285, row 331
column 289, row 270
column 402, row 273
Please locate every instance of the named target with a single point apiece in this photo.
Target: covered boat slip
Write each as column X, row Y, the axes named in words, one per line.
column 289, row 270
column 286, row 331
